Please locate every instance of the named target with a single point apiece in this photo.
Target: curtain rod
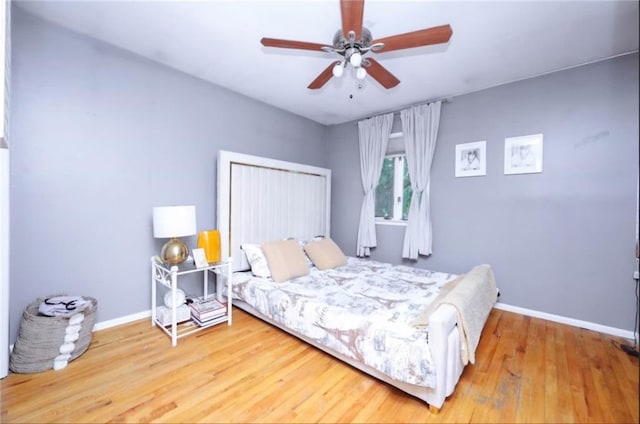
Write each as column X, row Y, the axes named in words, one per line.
column 447, row 99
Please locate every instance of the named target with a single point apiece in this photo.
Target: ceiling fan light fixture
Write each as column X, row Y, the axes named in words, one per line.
column 338, row 70
column 361, row 73
column 356, row 59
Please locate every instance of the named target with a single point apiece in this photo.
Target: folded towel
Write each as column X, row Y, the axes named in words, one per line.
column 63, row 306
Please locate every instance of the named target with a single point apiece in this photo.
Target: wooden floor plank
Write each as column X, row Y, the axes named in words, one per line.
column 609, row 392
column 626, row 379
column 575, row 379
column 526, row 370
column 511, row 384
column 551, row 390
column 531, row 406
column 565, row 400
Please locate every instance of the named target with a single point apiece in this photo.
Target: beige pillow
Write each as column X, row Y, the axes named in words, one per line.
column 286, row 259
column 325, row 254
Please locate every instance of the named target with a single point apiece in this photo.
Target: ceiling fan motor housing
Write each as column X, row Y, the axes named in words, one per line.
column 341, row 44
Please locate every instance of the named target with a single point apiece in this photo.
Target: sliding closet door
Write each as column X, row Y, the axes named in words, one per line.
column 4, row 194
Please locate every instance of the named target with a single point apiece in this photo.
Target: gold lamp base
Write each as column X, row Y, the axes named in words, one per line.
column 174, row 252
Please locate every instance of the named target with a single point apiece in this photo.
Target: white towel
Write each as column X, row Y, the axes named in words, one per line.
column 63, row 306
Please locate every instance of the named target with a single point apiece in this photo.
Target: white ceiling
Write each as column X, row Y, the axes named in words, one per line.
column 493, row 43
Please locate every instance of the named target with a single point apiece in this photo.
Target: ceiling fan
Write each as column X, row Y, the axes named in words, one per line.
column 353, row 41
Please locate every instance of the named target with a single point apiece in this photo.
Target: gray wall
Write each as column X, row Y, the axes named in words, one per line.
column 560, row 242
column 101, row 136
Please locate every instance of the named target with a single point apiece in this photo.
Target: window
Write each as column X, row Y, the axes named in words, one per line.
column 393, row 193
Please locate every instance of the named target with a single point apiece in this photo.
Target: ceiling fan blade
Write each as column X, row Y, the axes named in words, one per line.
column 323, row 77
column 352, row 12
column 290, row 44
column 423, row 37
column 380, row 74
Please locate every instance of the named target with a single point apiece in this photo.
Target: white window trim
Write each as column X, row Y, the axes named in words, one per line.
column 392, row 222
column 398, row 181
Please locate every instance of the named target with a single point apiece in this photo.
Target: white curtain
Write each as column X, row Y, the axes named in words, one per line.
column 374, row 137
column 420, row 132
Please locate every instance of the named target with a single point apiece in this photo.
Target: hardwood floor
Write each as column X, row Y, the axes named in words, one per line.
column 527, row 370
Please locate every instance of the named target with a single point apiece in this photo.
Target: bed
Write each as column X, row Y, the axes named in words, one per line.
column 412, row 328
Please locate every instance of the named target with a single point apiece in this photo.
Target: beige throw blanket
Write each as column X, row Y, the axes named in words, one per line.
column 473, row 295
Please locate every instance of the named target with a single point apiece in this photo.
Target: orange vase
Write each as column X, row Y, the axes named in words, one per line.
column 210, row 241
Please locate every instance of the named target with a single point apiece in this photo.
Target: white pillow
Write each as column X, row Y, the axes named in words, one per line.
column 257, row 260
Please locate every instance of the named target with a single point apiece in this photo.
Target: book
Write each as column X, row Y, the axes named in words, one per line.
column 205, row 309
column 202, row 323
column 206, row 305
column 208, row 315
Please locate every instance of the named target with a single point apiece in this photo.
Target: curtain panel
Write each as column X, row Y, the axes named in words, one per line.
column 373, row 138
column 420, row 131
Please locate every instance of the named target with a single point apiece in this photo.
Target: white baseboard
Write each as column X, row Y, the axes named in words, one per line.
column 565, row 320
column 121, row 320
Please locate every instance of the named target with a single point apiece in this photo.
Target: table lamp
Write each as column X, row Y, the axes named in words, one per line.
column 172, row 222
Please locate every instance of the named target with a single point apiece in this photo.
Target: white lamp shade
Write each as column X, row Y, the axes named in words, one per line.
column 355, row 59
column 174, row 221
column 338, row 70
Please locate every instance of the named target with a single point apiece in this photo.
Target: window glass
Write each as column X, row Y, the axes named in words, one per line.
column 407, row 191
column 393, row 193
column 384, row 190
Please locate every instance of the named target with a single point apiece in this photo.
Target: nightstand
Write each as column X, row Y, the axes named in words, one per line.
column 167, row 275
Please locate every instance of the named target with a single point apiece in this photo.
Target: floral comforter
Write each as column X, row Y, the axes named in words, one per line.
column 362, row 310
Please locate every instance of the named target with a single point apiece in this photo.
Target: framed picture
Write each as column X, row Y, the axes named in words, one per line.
column 471, row 159
column 199, row 258
column 523, row 155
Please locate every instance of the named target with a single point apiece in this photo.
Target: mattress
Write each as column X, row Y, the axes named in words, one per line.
column 363, row 310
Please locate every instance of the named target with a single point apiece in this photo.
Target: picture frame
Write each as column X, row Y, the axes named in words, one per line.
column 523, row 155
column 200, row 258
column 471, row 159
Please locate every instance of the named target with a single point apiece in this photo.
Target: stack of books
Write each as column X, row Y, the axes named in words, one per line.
column 205, row 310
